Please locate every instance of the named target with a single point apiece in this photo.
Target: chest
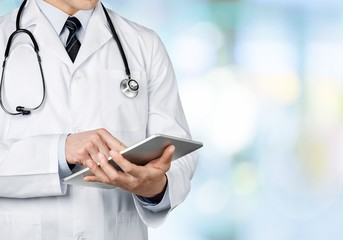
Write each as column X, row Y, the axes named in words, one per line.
column 78, row 98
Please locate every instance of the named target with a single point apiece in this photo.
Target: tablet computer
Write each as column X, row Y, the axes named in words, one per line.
column 140, row 154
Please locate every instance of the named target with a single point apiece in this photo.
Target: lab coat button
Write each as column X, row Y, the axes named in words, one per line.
column 76, row 79
column 82, row 237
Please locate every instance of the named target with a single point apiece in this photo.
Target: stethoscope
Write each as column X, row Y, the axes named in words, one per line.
column 128, row 86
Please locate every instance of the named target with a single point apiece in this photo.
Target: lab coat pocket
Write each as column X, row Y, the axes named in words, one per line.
column 130, row 226
column 121, row 113
column 20, row 226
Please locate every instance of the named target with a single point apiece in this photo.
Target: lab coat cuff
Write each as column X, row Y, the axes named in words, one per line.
column 155, row 207
column 63, row 167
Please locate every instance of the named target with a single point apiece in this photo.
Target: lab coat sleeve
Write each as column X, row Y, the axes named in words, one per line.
column 166, row 116
column 29, row 167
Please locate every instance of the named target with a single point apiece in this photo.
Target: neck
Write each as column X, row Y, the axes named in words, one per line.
column 63, row 6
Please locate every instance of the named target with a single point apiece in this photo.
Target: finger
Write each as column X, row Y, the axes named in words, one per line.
column 91, row 178
column 165, row 160
column 106, row 165
column 103, row 148
column 118, row 178
column 97, row 171
column 92, row 152
column 84, row 145
column 125, row 165
column 111, row 142
column 90, row 148
column 97, row 144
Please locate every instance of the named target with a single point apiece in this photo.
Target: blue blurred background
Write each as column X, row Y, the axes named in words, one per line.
column 261, row 83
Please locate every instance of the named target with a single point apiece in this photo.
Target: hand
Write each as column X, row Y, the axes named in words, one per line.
column 84, row 146
column 147, row 181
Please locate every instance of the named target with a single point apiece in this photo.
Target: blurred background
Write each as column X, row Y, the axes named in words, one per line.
column 261, row 83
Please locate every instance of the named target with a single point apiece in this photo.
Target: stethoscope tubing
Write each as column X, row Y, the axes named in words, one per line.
column 26, row 111
column 116, row 38
column 21, row 109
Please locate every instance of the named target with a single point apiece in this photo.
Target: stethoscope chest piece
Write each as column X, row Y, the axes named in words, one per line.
column 129, row 87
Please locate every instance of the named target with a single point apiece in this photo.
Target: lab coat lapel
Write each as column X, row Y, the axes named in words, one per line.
column 44, row 33
column 47, row 37
column 97, row 34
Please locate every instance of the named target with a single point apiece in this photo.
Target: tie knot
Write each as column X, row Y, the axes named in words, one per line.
column 73, row 24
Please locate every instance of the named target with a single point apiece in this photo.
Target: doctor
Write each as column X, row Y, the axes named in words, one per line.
column 75, row 115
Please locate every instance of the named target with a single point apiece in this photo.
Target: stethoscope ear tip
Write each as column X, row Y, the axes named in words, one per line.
column 22, row 110
column 25, row 112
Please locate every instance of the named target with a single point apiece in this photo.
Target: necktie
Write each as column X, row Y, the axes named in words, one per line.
column 73, row 44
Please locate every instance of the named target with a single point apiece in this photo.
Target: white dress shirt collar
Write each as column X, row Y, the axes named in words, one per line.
column 57, row 18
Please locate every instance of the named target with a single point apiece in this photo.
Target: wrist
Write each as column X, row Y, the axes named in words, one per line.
column 157, row 198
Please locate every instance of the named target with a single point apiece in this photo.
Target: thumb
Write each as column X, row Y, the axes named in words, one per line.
column 164, row 161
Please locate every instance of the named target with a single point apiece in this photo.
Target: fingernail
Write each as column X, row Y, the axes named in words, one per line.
column 114, row 153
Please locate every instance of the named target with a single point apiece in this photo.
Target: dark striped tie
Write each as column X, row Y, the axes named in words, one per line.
column 73, row 44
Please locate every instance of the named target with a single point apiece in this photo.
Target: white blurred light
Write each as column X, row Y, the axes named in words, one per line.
column 209, row 32
column 234, row 116
column 245, row 179
column 267, row 56
column 222, row 109
column 211, row 198
column 284, row 88
column 324, row 58
column 195, row 50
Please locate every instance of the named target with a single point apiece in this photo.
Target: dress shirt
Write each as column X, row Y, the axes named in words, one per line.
column 57, row 19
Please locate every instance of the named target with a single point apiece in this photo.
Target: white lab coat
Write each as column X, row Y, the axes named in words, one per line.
column 34, row 204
